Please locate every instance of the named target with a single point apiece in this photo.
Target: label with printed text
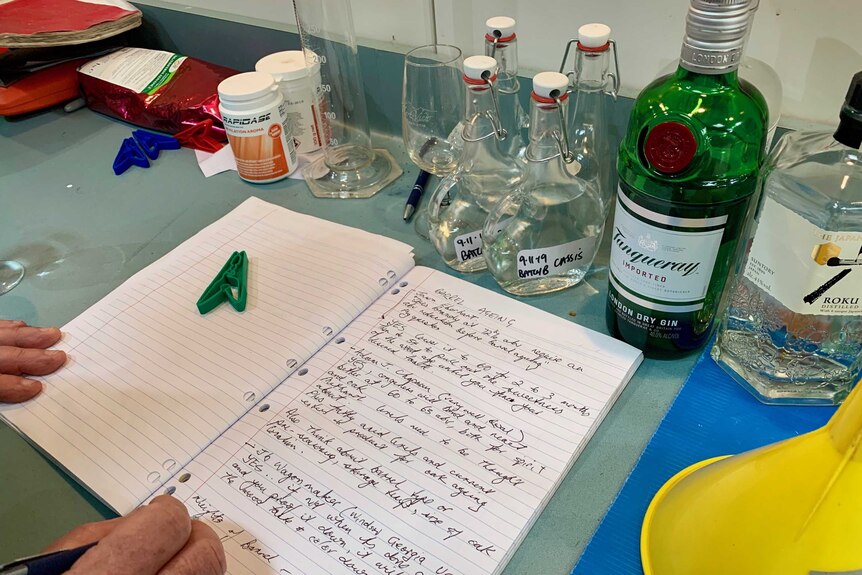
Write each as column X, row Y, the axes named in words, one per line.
column 811, row 270
column 659, row 268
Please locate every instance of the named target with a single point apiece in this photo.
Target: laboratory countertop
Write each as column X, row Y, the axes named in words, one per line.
column 81, row 231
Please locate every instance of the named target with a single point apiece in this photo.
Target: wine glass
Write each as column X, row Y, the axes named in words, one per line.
column 11, row 273
column 432, row 108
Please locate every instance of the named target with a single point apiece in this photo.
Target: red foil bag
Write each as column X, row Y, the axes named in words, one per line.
column 154, row 89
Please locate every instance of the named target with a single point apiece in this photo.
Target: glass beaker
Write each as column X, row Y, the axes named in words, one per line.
column 350, row 167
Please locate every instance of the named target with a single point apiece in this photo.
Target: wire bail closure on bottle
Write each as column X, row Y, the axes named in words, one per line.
column 499, row 131
column 613, row 76
column 562, row 138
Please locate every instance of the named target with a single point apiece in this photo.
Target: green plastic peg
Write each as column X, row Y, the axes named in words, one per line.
column 232, row 278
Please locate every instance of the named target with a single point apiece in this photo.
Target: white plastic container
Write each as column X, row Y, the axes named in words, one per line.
column 253, row 113
column 296, row 82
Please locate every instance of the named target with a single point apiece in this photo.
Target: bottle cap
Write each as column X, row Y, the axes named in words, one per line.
column 287, row 65
column 594, row 35
column 548, row 85
column 849, row 130
column 853, row 99
column 715, row 32
column 477, row 68
column 501, row 27
column 245, row 87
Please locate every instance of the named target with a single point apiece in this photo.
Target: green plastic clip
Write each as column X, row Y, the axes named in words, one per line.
column 231, row 279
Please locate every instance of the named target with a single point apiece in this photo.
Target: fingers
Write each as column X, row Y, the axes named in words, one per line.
column 83, row 534
column 15, row 389
column 141, row 543
column 33, row 337
column 12, row 323
column 16, row 360
column 202, row 555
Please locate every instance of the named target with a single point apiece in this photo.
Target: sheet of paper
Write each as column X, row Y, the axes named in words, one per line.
column 151, row 382
column 223, row 161
column 425, row 439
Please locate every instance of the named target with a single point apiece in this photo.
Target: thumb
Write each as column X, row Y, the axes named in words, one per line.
column 15, row 389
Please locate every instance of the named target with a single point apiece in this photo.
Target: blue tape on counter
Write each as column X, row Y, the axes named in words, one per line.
column 710, row 416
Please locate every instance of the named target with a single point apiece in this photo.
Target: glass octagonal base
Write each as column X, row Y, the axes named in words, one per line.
column 11, row 273
column 362, row 181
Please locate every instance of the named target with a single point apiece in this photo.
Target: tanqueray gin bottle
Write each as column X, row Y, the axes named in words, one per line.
column 543, row 237
column 793, row 330
column 486, row 173
column 688, row 168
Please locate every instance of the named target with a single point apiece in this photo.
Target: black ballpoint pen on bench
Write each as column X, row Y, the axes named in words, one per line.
column 415, row 194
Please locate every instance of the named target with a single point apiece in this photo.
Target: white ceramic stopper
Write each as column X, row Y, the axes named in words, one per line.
column 475, row 67
column 502, row 24
column 594, row 35
column 550, row 84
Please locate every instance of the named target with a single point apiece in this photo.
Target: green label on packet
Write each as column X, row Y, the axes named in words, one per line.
column 165, row 74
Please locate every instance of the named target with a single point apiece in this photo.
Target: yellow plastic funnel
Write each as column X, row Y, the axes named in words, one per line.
column 790, row 508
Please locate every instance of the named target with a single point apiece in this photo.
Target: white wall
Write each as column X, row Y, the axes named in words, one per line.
column 814, row 45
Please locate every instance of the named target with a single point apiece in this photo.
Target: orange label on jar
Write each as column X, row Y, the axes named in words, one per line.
column 262, row 156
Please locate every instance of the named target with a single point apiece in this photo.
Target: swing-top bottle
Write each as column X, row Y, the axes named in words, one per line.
column 593, row 84
column 543, row 237
column 459, row 206
column 501, row 43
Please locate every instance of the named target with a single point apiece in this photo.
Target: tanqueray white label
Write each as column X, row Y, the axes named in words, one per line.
column 660, row 269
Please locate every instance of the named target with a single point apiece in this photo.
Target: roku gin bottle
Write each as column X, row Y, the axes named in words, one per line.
column 793, row 330
column 688, row 168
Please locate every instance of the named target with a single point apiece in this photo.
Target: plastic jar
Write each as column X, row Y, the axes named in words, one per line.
column 252, row 110
column 296, row 82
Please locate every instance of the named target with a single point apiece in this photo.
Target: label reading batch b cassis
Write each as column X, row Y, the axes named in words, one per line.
column 661, row 262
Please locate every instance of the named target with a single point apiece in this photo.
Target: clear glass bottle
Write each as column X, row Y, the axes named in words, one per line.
column 543, row 237
column 588, row 131
column 501, row 43
column 688, row 169
column 459, row 206
column 792, row 332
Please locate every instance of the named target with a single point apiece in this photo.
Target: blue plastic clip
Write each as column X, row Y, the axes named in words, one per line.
column 152, row 143
column 129, row 155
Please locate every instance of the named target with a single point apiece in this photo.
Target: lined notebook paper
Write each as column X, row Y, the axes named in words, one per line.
column 426, row 438
column 361, row 417
column 150, row 382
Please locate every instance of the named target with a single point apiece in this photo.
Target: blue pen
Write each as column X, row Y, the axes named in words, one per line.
column 415, row 194
column 54, row 563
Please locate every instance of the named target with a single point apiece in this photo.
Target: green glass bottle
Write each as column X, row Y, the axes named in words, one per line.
column 688, row 169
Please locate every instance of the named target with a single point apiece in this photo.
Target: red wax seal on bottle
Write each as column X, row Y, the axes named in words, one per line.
column 670, row 147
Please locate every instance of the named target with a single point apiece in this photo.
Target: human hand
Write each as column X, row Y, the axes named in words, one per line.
column 157, row 539
column 23, row 351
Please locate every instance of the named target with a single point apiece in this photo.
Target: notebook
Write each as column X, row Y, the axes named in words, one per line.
column 361, row 416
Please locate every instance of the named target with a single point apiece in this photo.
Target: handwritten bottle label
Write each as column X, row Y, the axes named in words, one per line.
column 671, row 264
column 469, row 245
column 555, row 260
column 811, row 270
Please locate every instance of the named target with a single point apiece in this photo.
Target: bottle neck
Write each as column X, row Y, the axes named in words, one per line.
column 546, row 128
column 592, row 70
column 715, row 37
column 506, row 54
column 729, row 78
column 481, row 118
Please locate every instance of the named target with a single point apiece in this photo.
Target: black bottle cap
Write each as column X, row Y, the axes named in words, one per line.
column 854, row 94
column 849, row 130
